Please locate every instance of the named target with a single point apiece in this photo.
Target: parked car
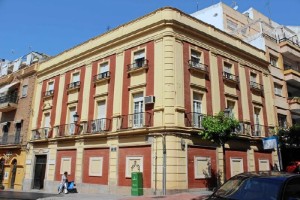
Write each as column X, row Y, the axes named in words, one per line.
column 259, row 186
column 293, row 167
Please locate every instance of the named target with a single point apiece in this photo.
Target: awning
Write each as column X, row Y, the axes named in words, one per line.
column 8, row 87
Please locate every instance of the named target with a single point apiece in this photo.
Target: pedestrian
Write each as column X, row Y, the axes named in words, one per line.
column 64, row 183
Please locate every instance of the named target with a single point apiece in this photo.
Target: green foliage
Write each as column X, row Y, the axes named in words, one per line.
column 290, row 137
column 219, row 128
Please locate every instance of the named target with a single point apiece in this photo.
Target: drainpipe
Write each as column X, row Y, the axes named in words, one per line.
column 164, row 178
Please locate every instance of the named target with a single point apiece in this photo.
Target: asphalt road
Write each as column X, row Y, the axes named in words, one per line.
column 23, row 195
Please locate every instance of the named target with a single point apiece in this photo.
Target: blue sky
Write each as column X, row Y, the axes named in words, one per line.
column 52, row 26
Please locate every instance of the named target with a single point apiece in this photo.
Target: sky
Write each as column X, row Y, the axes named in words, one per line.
column 53, row 26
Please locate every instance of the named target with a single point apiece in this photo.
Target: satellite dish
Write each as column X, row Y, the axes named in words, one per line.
column 236, row 7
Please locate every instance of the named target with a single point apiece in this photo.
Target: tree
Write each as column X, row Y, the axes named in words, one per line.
column 219, row 129
column 290, row 137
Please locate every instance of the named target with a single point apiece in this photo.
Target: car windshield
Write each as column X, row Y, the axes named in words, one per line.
column 246, row 188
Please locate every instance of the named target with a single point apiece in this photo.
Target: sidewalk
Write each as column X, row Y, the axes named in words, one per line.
column 80, row 196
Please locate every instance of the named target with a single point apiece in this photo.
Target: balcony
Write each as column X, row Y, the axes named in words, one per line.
column 67, row 130
column 294, row 103
column 198, row 67
column 138, row 65
column 42, row 133
column 256, row 87
column 10, row 138
column 102, row 77
column 243, row 129
column 290, row 47
column 134, row 121
column 9, row 102
column 230, row 78
column 258, row 130
column 49, row 93
column 98, row 126
column 73, row 86
column 292, row 75
column 194, row 119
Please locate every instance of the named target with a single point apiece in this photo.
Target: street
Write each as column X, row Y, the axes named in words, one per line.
column 23, row 195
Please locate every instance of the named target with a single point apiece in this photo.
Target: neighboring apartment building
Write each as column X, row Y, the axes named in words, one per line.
column 133, row 99
column 17, row 79
column 281, row 44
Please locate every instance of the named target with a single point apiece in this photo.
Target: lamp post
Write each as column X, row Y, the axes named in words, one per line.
column 75, row 119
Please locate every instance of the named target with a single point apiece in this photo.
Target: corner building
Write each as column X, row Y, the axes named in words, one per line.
column 133, row 99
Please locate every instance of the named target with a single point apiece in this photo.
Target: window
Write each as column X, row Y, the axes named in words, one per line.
column 195, row 57
column 100, row 123
column 231, row 25
column 263, row 165
column 133, row 164
column 95, row 166
column 24, row 90
column 236, row 166
column 138, row 109
column 253, row 77
column 104, row 70
column 257, row 126
column 230, row 107
column 71, row 120
column 202, row 167
column 197, row 108
column 139, row 58
column 75, row 78
column 227, row 67
column 46, row 124
column 273, row 61
column 50, row 86
column 282, row 121
column 65, row 165
column 277, row 89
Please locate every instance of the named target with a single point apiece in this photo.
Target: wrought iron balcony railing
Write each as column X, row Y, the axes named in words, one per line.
column 258, row 130
column 67, row 130
column 136, row 120
column 256, row 86
column 198, row 66
column 101, row 76
column 9, row 98
column 290, row 40
column 41, row 133
column 98, row 125
column 230, row 77
column 194, row 119
column 49, row 93
column 139, row 63
column 10, row 138
column 74, row 85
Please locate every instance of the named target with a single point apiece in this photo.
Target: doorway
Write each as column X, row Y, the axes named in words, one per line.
column 39, row 172
column 13, row 174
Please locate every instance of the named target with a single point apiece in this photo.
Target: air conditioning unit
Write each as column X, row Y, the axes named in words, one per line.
column 240, row 128
column 149, row 99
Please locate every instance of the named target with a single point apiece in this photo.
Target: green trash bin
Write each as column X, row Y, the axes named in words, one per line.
column 136, row 183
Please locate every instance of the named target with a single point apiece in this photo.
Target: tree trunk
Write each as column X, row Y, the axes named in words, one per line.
column 224, row 162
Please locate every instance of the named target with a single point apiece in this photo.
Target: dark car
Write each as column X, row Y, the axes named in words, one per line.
column 260, row 186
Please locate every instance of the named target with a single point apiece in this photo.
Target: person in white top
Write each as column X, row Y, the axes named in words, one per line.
column 64, row 183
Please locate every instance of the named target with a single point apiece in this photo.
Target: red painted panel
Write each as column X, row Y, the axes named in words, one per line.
column 80, row 94
column 206, row 152
column 40, row 111
column 55, row 97
column 145, row 152
column 65, row 153
column 104, row 153
column 235, row 154
column 92, row 92
column 221, row 82
column 126, row 84
column 187, row 81
column 262, row 155
column 251, row 111
column 238, row 91
column 64, row 108
column 209, row 107
column 111, row 87
column 264, row 109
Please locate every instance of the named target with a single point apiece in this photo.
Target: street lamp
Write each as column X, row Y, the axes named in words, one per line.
column 227, row 112
column 76, row 117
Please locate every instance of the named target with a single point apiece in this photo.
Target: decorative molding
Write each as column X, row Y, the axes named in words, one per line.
column 257, row 103
column 72, row 102
column 104, row 94
column 133, row 87
column 180, row 109
column 158, row 109
column 198, row 87
column 233, row 96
